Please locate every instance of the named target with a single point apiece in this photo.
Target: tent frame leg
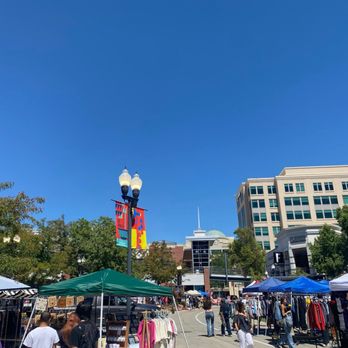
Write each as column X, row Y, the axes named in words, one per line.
column 27, row 328
column 101, row 320
column 182, row 326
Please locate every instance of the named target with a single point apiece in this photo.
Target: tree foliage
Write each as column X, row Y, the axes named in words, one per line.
column 49, row 248
column 246, row 255
column 158, row 264
column 326, row 252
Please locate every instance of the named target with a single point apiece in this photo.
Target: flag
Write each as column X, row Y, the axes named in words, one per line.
column 121, row 223
column 139, row 229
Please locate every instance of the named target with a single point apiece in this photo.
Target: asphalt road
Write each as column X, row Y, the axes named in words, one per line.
column 195, row 329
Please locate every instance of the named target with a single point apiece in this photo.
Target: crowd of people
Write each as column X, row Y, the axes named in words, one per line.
column 79, row 331
column 234, row 311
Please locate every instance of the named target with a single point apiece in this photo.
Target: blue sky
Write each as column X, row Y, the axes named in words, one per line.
column 194, row 95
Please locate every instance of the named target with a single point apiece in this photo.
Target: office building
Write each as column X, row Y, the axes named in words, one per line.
column 298, row 196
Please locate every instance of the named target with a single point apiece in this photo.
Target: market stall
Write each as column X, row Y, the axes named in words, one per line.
column 16, row 299
column 107, row 282
column 339, row 306
column 309, row 306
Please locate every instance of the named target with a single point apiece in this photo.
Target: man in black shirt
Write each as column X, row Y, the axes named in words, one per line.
column 225, row 314
column 86, row 334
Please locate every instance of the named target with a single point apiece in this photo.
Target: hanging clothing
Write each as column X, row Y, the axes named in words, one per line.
column 316, row 316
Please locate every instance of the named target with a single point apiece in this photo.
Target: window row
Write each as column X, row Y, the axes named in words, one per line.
column 290, row 187
column 317, row 186
column 258, row 190
column 263, row 217
column 264, row 245
column 260, row 203
column 289, row 201
column 263, row 231
column 318, row 200
column 298, row 215
column 326, row 214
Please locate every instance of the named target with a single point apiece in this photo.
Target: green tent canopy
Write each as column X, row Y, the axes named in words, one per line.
column 106, row 281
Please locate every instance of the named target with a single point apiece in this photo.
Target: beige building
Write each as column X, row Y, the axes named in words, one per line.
column 298, row 196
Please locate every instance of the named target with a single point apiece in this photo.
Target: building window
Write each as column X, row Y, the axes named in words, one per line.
column 344, row 185
column 290, row 215
column 259, row 217
column 345, row 200
column 326, row 214
column 289, row 201
column 276, row 230
column 300, row 187
column 275, row 217
column 317, row 187
column 272, row 189
column 319, row 200
column 256, row 190
column 306, row 214
column 328, row 186
column 266, row 245
column 261, row 231
column 289, row 187
column 260, row 244
column 258, row 203
column 273, row 203
column 320, row 214
column 298, row 215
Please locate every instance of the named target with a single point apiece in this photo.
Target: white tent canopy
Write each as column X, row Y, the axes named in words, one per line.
column 10, row 284
column 340, row 283
column 193, row 293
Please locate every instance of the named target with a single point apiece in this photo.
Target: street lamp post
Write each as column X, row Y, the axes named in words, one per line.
column 126, row 181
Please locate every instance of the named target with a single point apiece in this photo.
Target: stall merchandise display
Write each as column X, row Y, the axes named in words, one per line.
column 158, row 332
column 117, row 333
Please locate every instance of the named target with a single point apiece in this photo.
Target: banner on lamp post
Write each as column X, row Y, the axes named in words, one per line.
column 138, row 228
column 121, row 223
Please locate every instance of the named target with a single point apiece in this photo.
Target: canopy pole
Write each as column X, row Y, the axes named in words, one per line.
column 27, row 328
column 101, row 320
column 182, row 326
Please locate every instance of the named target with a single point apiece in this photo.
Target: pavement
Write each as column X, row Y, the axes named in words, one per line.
column 196, row 333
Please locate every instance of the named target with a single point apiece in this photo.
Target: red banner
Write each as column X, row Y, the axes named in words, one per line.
column 121, row 218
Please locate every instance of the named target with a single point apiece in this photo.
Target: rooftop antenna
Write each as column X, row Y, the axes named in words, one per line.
column 199, row 219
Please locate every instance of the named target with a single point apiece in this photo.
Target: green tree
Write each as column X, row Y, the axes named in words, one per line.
column 17, row 212
column 93, row 246
column 158, row 263
column 246, row 255
column 327, row 252
column 342, row 219
column 17, row 218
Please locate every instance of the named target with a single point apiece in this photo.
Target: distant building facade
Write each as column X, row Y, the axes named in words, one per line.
column 292, row 254
column 298, row 196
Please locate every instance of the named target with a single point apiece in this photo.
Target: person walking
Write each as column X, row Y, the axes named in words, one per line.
column 209, row 316
column 243, row 328
column 225, row 315
column 65, row 332
column 287, row 322
column 43, row 336
column 85, row 334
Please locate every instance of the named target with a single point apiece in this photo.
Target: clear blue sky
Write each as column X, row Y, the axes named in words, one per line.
column 195, row 95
